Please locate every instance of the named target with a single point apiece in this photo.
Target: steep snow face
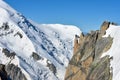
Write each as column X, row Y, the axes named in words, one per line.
column 51, row 43
column 114, row 31
column 59, row 40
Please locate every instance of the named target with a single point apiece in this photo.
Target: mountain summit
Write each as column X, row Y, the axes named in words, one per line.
column 96, row 55
column 31, row 51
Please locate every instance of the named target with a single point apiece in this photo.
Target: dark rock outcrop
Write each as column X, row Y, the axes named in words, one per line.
column 86, row 63
column 14, row 72
column 19, row 34
column 8, row 53
column 3, row 73
column 51, row 67
column 36, row 56
column 5, row 26
column 11, row 72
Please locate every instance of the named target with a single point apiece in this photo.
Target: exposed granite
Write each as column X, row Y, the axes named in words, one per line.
column 86, row 63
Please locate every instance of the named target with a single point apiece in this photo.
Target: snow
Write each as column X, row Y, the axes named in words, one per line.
column 15, row 43
column 15, row 61
column 56, row 41
column 5, row 16
column 114, row 32
column 26, row 74
column 67, row 31
column 52, row 42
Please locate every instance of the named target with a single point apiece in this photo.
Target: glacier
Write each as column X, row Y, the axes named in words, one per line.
column 52, row 43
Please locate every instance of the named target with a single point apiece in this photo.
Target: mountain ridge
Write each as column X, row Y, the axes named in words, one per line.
column 32, row 51
column 41, row 51
column 96, row 55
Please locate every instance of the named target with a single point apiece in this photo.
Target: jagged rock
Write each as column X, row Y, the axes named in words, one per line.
column 75, row 73
column 81, row 38
column 36, row 56
column 76, row 43
column 11, row 72
column 5, row 26
column 114, row 23
column 19, row 34
column 51, row 67
column 8, row 53
column 3, row 74
column 14, row 72
column 104, row 27
column 102, row 45
column 86, row 63
column 100, row 70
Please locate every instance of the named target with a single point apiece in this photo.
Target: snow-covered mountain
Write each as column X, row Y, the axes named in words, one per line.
column 41, row 51
column 96, row 55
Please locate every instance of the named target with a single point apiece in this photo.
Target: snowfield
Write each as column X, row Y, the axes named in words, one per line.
column 114, row 32
column 52, row 43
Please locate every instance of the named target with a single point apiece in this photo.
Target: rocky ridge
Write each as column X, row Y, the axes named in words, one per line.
column 11, row 72
column 87, row 63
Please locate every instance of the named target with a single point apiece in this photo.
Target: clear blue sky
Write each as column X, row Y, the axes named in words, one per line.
column 86, row 14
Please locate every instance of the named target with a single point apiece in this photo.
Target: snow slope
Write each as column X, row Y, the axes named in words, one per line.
column 114, row 32
column 53, row 43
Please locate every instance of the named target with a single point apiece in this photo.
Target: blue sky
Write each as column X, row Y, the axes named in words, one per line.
column 86, row 14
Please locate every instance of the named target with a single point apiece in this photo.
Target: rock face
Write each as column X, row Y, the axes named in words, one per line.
column 51, row 67
column 36, row 56
column 8, row 53
column 104, row 27
column 3, row 74
column 14, row 72
column 11, row 72
column 86, row 63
